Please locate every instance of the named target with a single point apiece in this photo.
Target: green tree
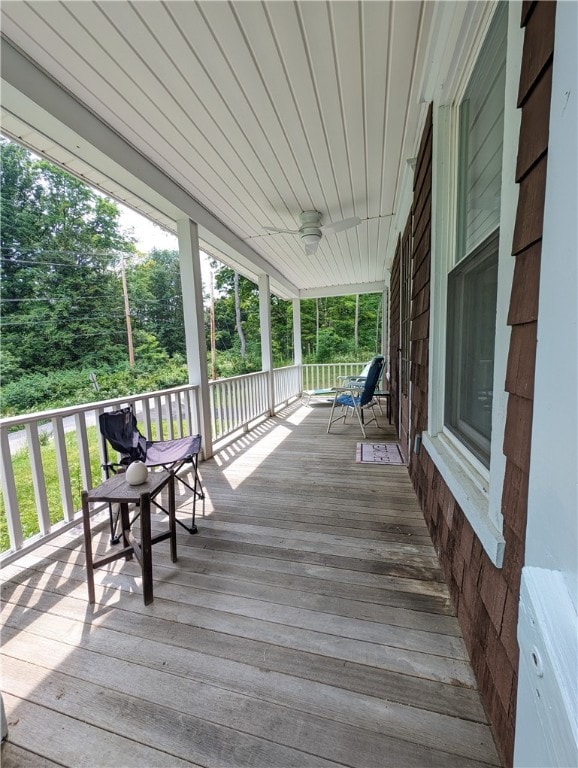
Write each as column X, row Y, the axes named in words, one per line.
column 61, row 299
column 156, row 299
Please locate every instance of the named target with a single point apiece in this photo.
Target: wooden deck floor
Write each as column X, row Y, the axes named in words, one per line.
column 306, row 625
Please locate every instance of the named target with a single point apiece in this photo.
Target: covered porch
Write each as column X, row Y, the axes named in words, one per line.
column 309, row 627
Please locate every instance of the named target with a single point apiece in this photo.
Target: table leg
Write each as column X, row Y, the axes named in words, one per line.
column 146, row 549
column 172, row 521
column 125, row 525
column 88, row 547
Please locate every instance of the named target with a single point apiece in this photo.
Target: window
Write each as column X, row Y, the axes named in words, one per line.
column 472, row 283
column 472, row 290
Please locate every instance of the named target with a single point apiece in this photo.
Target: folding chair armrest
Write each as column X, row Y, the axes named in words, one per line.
column 114, row 467
column 353, row 388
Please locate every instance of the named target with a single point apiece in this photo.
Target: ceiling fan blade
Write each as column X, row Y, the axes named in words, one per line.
column 281, row 231
column 339, row 226
column 311, row 248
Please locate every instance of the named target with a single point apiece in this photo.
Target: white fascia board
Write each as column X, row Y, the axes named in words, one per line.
column 342, row 290
column 31, row 94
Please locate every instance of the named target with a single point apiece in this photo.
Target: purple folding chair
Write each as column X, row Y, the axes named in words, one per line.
column 120, row 429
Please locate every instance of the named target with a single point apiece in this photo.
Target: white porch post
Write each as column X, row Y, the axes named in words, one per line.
column 385, row 328
column 297, row 350
column 192, row 288
column 266, row 349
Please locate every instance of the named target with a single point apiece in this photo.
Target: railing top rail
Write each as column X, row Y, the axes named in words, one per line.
column 334, row 365
column 70, row 410
column 239, row 377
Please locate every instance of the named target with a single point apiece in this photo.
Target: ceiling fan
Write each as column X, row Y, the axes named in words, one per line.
column 311, row 231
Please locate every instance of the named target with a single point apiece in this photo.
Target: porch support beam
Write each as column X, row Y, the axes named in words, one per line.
column 297, row 353
column 266, row 348
column 192, row 289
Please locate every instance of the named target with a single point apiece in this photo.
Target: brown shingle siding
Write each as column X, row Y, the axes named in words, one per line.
column 394, row 339
column 530, row 213
column 535, row 125
column 515, row 498
column 421, row 270
column 522, row 361
column 525, row 286
column 518, row 431
column 538, row 47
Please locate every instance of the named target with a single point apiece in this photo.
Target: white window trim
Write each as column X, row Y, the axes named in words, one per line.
column 477, row 490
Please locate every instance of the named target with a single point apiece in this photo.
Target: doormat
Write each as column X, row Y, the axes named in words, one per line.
column 378, row 453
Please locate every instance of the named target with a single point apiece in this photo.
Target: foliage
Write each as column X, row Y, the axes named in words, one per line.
column 61, row 298
column 328, row 328
column 45, row 391
column 156, row 300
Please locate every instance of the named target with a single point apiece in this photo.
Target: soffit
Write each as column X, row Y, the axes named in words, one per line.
column 257, row 110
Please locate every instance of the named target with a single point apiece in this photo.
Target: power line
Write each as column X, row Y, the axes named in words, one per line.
column 38, row 249
column 78, row 298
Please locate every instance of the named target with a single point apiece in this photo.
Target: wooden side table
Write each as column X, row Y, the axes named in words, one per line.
column 387, row 396
column 116, row 490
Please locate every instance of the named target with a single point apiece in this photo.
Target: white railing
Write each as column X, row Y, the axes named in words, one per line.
column 325, row 375
column 286, row 384
column 236, row 402
column 58, row 453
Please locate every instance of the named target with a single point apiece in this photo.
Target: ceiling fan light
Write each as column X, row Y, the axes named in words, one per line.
column 310, row 238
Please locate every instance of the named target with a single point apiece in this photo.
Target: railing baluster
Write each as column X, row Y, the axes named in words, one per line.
column 179, row 405
column 9, row 493
column 220, row 409
column 229, row 400
column 238, row 404
column 103, row 454
column 146, row 417
column 188, row 415
column 62, row 468
column 83, row 452
column 38, row 483
column 158, row 418
column 170, row 424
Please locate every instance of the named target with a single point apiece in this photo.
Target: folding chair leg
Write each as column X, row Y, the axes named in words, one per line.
column 359, row 414
column 197, row 491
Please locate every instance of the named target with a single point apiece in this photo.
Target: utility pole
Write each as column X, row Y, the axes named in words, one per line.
column 127, row 313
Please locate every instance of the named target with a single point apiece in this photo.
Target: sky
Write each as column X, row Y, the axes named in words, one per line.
column 149, row 235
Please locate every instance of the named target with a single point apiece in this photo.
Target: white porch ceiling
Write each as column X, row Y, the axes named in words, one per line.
column 256, row 110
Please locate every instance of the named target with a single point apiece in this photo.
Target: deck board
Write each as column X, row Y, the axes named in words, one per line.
column 306, row 625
